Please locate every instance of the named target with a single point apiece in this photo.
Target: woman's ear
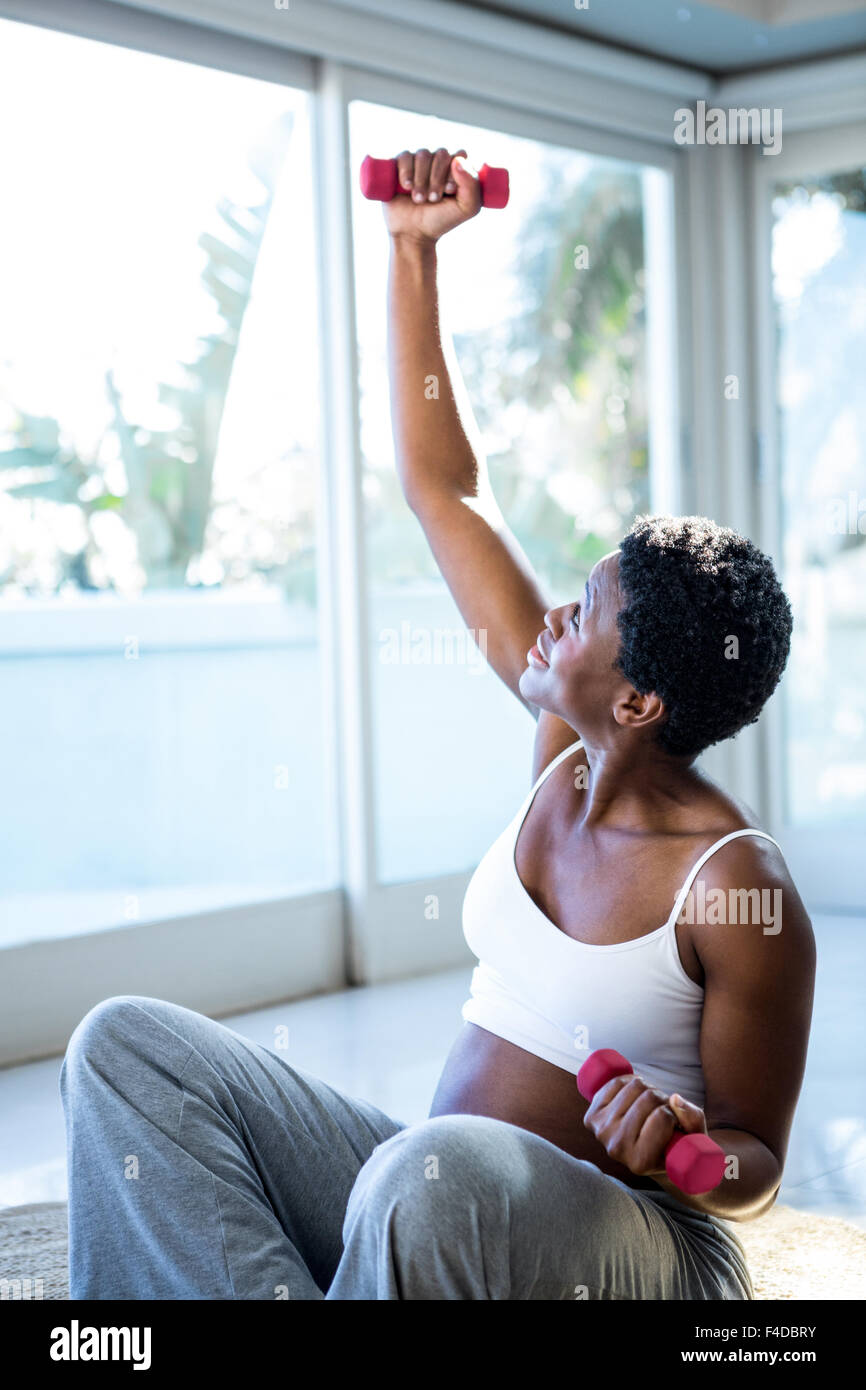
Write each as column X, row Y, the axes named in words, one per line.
column 635, row 711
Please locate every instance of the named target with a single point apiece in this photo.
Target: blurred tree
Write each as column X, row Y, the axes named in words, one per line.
column 166, row 503
column 576, row 356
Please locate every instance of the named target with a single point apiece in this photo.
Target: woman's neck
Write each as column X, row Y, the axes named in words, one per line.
column 634, row 786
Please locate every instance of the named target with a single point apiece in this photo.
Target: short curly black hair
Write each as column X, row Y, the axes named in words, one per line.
column 689, row 588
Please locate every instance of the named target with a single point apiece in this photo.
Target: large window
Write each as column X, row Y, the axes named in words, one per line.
column 547, row 305
column 819, row 276
column 162, row 713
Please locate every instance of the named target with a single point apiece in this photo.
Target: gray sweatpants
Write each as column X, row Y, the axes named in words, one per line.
column 203, row 1166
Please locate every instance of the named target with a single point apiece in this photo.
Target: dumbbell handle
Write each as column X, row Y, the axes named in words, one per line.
column 693, row 1162
column 379, row 181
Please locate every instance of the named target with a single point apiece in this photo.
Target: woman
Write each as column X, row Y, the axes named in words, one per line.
column 202, row 1166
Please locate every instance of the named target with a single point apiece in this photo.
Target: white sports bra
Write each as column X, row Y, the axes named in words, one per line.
column 560, row 998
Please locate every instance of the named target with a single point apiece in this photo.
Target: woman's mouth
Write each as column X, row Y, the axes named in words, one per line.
column 535, row 658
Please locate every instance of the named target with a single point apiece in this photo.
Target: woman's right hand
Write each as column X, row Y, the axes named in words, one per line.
column 443, row 194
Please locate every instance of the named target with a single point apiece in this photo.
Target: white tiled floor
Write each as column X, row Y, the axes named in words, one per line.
column 387, row 1044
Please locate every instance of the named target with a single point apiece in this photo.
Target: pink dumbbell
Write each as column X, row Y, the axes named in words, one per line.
column 693, row 1162
column 379, row 181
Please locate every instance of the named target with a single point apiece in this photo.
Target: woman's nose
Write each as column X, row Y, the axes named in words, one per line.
column 553, row 621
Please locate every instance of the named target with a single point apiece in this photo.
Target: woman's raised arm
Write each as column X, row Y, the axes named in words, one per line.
column 439, row 460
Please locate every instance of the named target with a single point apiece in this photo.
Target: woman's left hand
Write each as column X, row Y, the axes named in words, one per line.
column 635, row 1123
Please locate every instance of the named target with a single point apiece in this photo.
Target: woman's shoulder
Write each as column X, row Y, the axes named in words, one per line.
column 744, row 877
column 739, row 850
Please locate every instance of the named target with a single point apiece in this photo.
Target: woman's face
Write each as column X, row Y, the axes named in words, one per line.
column 570, row 669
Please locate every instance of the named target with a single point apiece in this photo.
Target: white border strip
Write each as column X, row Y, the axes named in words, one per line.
column 407, row 36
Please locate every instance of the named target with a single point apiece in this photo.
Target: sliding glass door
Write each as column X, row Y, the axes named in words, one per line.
column 814, row 219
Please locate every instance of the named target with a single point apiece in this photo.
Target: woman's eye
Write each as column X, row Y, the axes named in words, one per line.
column 575, row 617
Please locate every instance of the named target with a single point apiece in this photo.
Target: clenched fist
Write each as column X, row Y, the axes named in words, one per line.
column 635, row 1123
column 440, row 194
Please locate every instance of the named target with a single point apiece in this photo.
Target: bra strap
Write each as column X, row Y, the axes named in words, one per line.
column 560, row 758
column 734, row 835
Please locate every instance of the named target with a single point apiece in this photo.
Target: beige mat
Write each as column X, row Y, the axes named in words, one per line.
column 792, row 1254
column 33, row 1251
column 800, row 1254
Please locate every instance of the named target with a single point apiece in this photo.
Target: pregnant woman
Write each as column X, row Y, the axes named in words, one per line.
column 631, row 903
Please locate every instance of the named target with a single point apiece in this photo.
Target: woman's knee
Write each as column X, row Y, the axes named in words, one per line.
column 462, row 1140
column 110, row 1028
column 474, row 1170
column 449, row 1161
column 428, row 1216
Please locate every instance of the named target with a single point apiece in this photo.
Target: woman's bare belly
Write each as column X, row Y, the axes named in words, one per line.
column 485, row 1075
